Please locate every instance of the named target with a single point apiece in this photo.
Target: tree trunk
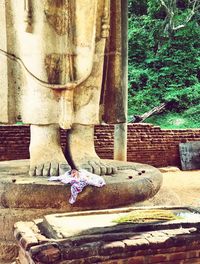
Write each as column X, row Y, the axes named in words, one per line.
column 155, row 110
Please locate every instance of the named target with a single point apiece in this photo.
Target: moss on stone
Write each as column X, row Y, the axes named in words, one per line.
column 147, row 216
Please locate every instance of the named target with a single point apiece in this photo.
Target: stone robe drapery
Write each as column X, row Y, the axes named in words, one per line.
column 61, row 47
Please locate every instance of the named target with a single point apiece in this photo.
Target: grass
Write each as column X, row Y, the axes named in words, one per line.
column 175, row 121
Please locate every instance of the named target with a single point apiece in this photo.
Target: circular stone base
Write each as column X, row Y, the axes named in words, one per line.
column 134, row 182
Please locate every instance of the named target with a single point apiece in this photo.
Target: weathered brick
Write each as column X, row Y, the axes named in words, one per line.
column 191, row 261
column 134, row 244
column 192, row 254
column 77, row 253
column 178, row 256
column 48, row 254
column 156, row 258
column 136, row 260
column 112, row 248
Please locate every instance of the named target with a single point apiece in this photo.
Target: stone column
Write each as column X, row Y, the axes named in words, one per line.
column 3, row 66
column 120, row 134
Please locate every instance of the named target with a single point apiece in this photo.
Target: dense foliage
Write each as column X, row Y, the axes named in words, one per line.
column 164, row 62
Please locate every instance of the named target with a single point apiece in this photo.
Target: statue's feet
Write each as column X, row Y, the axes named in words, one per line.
column 81, row 151
column 95, row 165
column 46, row 156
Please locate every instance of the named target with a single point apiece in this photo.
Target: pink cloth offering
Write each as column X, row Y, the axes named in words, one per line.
column 79, row 180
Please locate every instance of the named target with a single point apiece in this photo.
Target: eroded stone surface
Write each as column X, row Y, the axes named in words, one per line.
column 59, row 14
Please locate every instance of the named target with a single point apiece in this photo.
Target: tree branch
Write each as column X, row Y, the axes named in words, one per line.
column 155, row 110
column 163, row 4
column 171, row 9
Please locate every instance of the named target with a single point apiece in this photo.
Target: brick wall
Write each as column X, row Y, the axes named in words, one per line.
column 152, row 145
column 146, row 143
column 14, row 142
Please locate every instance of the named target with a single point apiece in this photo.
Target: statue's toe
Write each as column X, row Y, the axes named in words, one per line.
column 96, row 169
column 114, row 170
column 108, row 170
column 39, row 170
column 32, row 171
column 54, row 170
column 46, row 169
column 103, row 169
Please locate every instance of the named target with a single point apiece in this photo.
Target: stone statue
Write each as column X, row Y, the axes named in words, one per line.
column 61, row 66
column 62, row 69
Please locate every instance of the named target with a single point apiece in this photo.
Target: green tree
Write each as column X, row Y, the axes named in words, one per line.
column 164, row 55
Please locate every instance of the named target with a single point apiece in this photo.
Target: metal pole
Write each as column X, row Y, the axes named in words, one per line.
column 120, row 133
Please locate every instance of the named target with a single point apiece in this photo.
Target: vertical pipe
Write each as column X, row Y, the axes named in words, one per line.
column 120, row 133
column 4, row 88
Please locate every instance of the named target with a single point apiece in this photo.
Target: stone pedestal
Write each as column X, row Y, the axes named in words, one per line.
column 25, row 198
column 93, row 237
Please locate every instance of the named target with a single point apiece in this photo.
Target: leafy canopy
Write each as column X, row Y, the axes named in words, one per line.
column 164, row 58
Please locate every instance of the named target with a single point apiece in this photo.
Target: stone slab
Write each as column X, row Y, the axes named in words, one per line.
column 190, row 155
column 101, row 222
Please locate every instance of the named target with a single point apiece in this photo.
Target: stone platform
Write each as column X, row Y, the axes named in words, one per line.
column 25, row 198
column 93, row 237
column 133, row 183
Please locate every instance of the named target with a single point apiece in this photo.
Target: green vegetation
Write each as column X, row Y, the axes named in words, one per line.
column 147, row 216
column 164, row 61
